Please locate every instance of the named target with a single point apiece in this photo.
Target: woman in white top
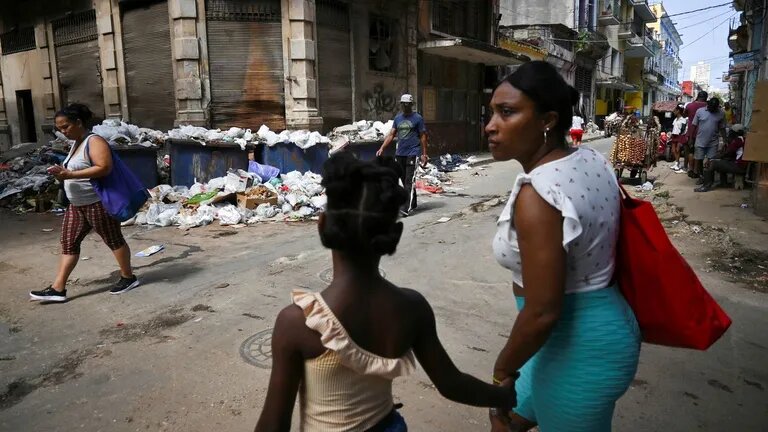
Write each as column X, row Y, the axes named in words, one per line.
column 679, row 137
column 577, row 129
column 575, row 341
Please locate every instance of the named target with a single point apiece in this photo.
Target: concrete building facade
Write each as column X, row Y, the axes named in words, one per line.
column 701, row 73
column 287, row 64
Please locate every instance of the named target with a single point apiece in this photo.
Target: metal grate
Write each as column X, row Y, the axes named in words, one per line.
column 583, row 80
column 243, row 10
column 75, row 28
column 18, row 40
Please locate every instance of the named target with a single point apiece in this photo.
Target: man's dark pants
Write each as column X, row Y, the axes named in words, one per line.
column 408, row 177
column 724, row 167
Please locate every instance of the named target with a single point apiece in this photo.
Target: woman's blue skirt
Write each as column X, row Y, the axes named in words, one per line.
column 586, row 365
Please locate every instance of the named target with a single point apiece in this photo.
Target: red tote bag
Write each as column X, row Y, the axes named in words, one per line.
column 670, row 304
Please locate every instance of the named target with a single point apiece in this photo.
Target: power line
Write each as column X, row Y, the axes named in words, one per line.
column 702, row 9
column 707, row 33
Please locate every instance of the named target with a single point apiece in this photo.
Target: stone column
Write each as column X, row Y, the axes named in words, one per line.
column 411, row 51
column 299, row 30
column 47, row 58
column 185, row 48
column 111, row 59
column 5, row 130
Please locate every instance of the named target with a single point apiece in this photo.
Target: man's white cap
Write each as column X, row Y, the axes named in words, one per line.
column 738, row 128
column 406, row 98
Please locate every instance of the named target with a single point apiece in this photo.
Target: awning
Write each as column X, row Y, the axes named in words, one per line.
column 472, row 51
column 615, row 84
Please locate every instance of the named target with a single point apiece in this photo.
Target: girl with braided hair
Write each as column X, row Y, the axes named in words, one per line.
column 340, row 349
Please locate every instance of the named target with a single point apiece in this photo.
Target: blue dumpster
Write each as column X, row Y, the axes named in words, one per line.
column 289, row 157
column 192, row 161
column 366, row 150
column 142, row 161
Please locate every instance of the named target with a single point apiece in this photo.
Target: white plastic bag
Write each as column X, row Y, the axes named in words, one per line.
column 228, row 215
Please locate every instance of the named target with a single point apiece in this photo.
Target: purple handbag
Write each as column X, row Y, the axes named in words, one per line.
column 122, row 193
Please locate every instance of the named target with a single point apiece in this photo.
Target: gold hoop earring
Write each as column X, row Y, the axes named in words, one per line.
column 545, row 135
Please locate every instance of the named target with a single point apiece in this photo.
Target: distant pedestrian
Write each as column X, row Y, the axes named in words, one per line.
column 85, row 211
column 689, row 113
column 340, row 349
column 575, row 341
column 679, row 139
column 577, row 129
column 411, row 134
column 709, row 127
column 728, row 112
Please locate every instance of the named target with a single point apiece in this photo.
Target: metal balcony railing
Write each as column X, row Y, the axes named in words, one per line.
column 610, row 11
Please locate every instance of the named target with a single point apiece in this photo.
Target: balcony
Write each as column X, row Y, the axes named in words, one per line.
column 640, row 45
column 643, row 11
column 609, row 12
column 650, row 77
column 626, row 31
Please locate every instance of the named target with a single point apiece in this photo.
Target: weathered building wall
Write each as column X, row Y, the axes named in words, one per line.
column 377, row 92
column 525, row 12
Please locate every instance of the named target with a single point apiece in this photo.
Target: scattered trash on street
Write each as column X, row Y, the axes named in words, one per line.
column 443, row 220
column 150, row 251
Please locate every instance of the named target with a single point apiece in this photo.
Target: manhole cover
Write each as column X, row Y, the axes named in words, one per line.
column 257, row 349
column 327, row 275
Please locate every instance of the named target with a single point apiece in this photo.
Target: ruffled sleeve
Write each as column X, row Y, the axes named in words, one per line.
column 320, row 317
column 552, row 194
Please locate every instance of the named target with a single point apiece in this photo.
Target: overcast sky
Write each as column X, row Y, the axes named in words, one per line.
column 710, row 28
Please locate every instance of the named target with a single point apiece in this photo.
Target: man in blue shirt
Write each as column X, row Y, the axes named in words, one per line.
column 411, row 137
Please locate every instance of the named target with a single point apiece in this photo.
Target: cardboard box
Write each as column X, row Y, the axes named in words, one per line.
column 756, row 146
column 246, row 202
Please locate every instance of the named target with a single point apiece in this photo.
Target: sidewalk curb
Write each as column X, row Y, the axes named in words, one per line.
column 489, row 159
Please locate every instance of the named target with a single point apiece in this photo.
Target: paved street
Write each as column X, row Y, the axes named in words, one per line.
column 167, row 356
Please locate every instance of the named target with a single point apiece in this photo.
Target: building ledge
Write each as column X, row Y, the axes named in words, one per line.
column 472, row 51
column 643, row 10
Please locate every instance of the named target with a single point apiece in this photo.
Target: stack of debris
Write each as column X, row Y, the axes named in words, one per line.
column 117, row 132
column 361, row 131
column 242, row 137
column 238, row 198
column 25, row 183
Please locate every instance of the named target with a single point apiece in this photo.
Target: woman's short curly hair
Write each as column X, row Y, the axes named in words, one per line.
column 364, row 199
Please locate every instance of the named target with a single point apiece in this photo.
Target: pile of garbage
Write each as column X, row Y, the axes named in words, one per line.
column 239, row 198
column 451, row 163
column 24, row 180
column 242, row 137
column 117, row 132
column 363, row 130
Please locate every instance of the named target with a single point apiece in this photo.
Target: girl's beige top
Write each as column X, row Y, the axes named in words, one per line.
column 346, row 388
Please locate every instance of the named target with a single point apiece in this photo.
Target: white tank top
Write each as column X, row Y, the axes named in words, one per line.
column 583, row 187
column 79, row 191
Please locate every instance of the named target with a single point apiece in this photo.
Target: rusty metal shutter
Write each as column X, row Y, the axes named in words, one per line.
column 334, row 63
column 245, row 51
column 77, row 58
column 149, row 65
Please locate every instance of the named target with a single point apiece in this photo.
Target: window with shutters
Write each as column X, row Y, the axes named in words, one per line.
column 382, row 44
column 18, row 40
column 583, row 80
column 461, row 18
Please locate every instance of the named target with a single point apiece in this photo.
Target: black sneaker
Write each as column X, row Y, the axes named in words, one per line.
column 700, row 181
column 125, row 285
column 49, row 294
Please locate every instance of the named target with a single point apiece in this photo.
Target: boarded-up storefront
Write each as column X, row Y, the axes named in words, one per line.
column 246, row 63
column 77, row 59
column 334, row 63
column 148, row 64
column 450, row 102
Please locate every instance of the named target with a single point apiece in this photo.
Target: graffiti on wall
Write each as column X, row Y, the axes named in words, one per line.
column 379, row 103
